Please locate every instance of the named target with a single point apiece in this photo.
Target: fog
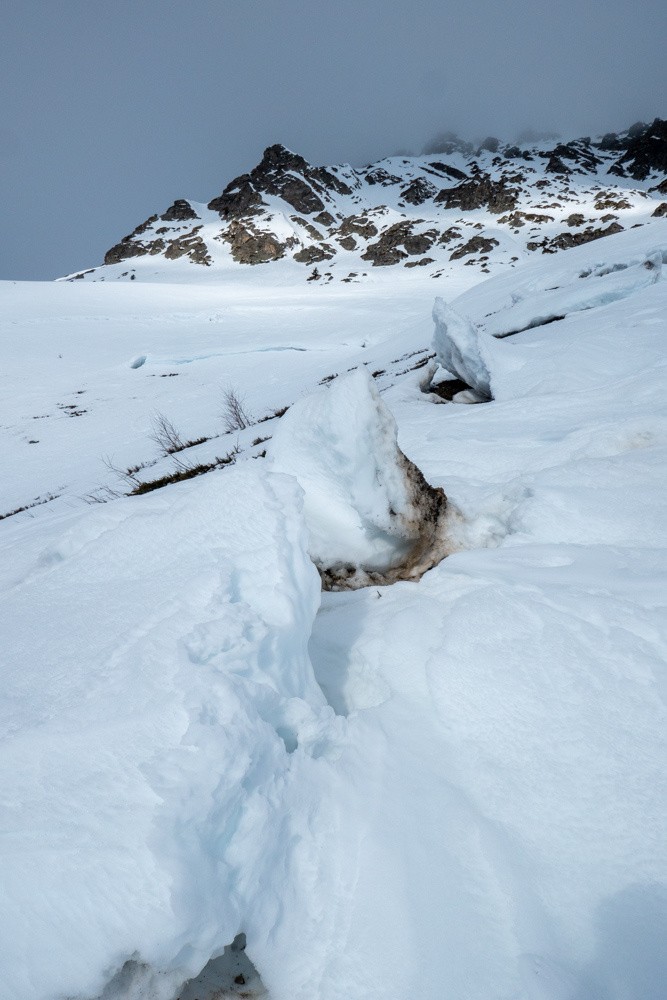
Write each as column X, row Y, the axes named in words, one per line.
column 110, row 112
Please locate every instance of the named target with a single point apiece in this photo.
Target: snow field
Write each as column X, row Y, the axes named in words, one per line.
column 451, row 788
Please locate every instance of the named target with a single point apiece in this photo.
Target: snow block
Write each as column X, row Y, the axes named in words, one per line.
column 371, row 515
column 458, row 348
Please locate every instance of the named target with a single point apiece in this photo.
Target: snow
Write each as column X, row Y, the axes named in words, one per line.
column 445, row 788
column 149, row 729
column 361, row 508
column 460, row 349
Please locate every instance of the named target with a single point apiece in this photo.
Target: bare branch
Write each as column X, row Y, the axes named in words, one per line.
column 234, row 413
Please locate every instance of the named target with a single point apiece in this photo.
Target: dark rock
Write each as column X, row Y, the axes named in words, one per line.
column 660, row 212
column 418, row 191
column 444, row 168
column 180, row 211
column 419, row 263
column 608, row 199
column 415, row 245
column 192, row 245
column 380, row 176
column 518, row 219
column 645, row 150
column 578, row 151
column 314, row 234
column 275, row 175
column 325, row 219
column 575, row 219
column 348, row 242
column 449, row 234
column 327, row 179
column 124, row 251
column 250, row 245
column 314, row 254
column 476, row 244
column 563, row 241
column 388, row 249
column 556, row 166
column 129, row 246
column 239, row 199
column 358, row 225
column 661, row 188
column 477, row 193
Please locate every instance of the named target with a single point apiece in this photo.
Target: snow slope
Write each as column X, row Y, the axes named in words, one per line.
column 450, row 788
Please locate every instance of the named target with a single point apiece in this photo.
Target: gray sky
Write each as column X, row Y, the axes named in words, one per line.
column 111, row 110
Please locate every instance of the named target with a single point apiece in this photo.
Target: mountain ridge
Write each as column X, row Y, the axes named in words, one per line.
column 486, row 208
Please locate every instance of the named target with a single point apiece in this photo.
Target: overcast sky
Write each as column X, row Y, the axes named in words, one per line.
column 111, row 109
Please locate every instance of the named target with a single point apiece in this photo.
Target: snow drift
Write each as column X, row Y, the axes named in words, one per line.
column 157, row 688
column 462, row 349
column 371, row 515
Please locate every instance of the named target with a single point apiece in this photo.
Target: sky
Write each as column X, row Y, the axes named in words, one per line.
column 111, row 111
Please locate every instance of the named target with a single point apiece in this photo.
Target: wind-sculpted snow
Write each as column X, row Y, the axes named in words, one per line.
column 461, row 349
column 371, row 516
column 483, row 817
column 156, row 687
column 589, row 290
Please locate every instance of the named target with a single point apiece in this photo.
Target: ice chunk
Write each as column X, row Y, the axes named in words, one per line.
column 367, row 507
column 458, row 348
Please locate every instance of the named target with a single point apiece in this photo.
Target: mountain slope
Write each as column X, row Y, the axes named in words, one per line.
column 482, row 208
column 218, row 780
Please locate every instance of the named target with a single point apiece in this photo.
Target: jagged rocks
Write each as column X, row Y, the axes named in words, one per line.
column 325, row 219
column 314, row 233
column 518, row 219
column 453, row 172
column 283, row 174
column 276, row 174
column 563, row 241
column 477, row 193
column 476, row 244
column 645, row 150
column 180, row 211
column 449, row 235
column 239, row 199
column 192, row 245
column 380, row 176
column 396, row 243
column 252, row 246
column 579, row 152
column 661, row 211
column 314, row 254
column 608, row 199
column 129, row 246
column 358, row 225
column 310, row 205
column 418, row 191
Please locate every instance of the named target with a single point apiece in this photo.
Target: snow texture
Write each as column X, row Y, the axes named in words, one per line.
column 460, row 348
column 365, row 505
column 451, row 788
column 155, row 685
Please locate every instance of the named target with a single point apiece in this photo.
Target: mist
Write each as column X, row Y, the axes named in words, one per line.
column 112, row 112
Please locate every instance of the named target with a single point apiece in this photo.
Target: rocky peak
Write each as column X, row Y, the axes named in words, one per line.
column 486, row 210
